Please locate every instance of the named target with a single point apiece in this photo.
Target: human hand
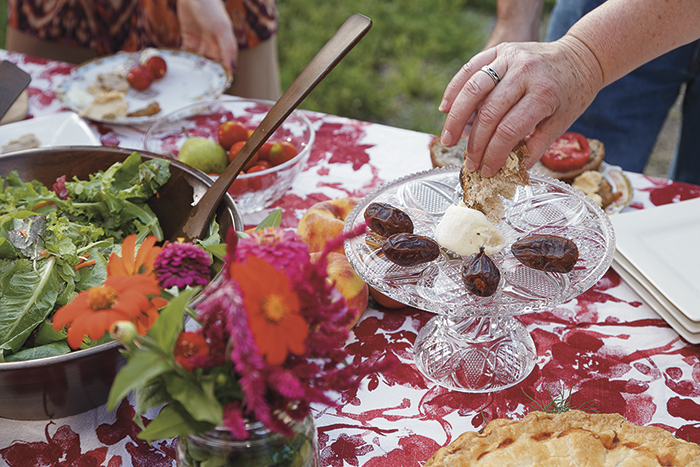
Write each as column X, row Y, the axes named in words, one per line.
column 207, row 29
column 544, row 87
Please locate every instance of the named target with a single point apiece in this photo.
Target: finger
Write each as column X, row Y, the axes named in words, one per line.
column 228, row 46
column 457, row 82
column 465, row 104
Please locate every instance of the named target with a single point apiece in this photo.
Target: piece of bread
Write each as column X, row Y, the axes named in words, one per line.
column 594, row 161
column 573, row 438
column 592, row 183
column 442, row 156
column 486, row 194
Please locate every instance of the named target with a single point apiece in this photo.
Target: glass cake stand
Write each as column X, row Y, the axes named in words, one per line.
column 475, row 344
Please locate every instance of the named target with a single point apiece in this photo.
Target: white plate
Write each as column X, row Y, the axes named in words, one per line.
column 189, row 79
column 62, row 129
column 662, row 244
column 651, row 299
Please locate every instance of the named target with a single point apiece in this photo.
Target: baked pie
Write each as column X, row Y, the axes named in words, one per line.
column 573, row 438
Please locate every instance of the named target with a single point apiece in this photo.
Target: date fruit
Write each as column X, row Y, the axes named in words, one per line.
column 549, row 253
column 407, row 249
column 481, row 275
column 385, row 220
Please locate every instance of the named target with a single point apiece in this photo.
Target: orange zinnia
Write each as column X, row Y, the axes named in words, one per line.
column 273, row 309
column 141, row 263
column 121, row 298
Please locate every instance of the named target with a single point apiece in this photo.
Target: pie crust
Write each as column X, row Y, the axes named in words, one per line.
column 573, row 438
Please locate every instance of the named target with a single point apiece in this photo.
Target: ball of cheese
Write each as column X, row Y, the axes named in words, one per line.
column 465, row 230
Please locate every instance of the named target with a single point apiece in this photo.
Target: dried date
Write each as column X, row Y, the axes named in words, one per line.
column 385, row 219
column 481, row 275
column 549, row 253
column 407, row 249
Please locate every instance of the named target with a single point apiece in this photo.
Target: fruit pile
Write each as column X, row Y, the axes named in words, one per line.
column 212, row 157
column 151, row 67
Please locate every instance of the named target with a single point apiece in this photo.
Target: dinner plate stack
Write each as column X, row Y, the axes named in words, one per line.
column 658, row 255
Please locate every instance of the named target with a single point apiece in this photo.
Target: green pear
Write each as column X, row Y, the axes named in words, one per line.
column 203, row 154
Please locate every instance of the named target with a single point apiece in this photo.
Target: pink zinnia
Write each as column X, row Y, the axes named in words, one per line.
column 182, row 264
column 277, row 246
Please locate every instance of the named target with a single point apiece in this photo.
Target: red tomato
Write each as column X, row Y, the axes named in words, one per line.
column 235, row 149
column 264, row 151
column 569, row 152
column 282, row 152
column 139, row 78
column 156, row 65
column 238, row 187
column 231, row 132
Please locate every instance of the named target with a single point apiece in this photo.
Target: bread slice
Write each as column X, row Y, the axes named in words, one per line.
column 594, row 161
column 442, row 156
column 485, row 193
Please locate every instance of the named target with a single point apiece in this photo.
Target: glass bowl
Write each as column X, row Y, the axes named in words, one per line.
column 63, row 385
column 252, row 192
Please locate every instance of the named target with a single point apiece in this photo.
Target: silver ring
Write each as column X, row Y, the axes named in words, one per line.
column 492, row 73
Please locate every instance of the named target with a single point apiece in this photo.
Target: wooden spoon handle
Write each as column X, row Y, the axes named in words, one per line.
column 347, row 36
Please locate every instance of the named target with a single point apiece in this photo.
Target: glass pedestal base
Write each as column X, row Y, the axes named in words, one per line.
column 475, row 354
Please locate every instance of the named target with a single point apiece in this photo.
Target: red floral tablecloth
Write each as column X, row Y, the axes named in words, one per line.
column 606, row 346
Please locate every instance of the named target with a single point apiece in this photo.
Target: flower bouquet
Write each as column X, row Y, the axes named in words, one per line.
column 242, row 359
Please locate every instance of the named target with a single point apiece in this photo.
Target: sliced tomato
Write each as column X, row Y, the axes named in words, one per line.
column 569, row 152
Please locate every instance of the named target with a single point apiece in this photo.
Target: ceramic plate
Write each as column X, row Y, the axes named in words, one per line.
column 661, row 243
column 63, row 129
column 190, row 78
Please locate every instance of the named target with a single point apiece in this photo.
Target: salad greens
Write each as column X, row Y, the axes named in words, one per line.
column 44, row 237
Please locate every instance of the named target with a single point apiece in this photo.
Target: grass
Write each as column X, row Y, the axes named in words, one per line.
column 397, row 73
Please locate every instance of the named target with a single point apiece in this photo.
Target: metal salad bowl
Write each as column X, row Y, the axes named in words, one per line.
column 59, row 386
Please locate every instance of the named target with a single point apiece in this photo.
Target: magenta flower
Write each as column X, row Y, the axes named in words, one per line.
column 182, row 264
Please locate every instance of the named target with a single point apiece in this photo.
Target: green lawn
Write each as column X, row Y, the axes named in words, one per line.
column 398, row 71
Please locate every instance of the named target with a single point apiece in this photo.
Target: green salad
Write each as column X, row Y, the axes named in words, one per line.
column 45, row 234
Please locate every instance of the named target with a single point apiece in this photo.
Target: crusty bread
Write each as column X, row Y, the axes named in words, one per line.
column 573, row 438
column 442, row 156
column 485, row 193
column 596, row 158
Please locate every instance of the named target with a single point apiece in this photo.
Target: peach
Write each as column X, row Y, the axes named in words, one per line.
column 348, row 283
column 324, row 221
column 384, row 300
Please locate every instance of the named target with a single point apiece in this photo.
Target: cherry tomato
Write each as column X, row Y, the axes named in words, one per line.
column 235, row 149
column 281, row 152
column 231, row 132
column 262, row 181
column 569, row 152
column 156, row 65
column 238, row 187
column 139, row 78
column 264, row 151
column 263, row 163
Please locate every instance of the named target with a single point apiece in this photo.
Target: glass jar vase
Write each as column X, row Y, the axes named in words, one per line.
column 263, row 448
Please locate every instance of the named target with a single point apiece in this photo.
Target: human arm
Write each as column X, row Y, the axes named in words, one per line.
column 516, row 21
column 207, row 29
column 546, row 86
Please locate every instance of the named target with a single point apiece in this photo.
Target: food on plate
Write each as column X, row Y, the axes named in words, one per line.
column 466, row 231
column 109, row 82
column 385, row 219
column 348, row 283
column 106, row 106
column 139, row 78
column 54, row 242
column 549, row 253
column 570, row 152
column 481, row 275
column 486, row 194
column 203, row 154
column 409, row 249
column 324, row 221
column 442, row 156
column 151, row 109
column 573, row 438
column 593, row 184
column 157, row 66
column 27, row 141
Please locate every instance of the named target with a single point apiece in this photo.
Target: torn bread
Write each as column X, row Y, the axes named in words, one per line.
column 486, row 194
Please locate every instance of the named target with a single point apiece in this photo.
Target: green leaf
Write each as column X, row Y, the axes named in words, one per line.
column 46, row 334
column 173, row 420
column 28, row 297
column 198, row 402
column 141, row 367
column 274, row 219
column 218, row 250
column 48, row 350
column 170, row 322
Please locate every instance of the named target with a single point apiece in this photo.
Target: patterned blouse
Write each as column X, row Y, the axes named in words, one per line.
column 108, row 26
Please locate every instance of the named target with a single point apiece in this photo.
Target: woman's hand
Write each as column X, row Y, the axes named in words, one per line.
column 207, row 29
column 544, row 87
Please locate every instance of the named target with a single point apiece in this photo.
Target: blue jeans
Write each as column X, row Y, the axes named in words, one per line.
column 628, row 114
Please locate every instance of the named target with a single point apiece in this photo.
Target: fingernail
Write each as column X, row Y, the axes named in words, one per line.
column 486, row 171
column 443, row 105
column 446, row 138
column 469, row 165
